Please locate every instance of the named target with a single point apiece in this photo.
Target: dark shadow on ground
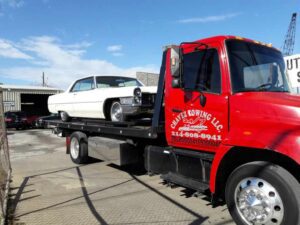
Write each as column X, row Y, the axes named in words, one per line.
column 14, row 202
column 137, row 170
column 88, row 200
column 134, row 171
column 200, row 219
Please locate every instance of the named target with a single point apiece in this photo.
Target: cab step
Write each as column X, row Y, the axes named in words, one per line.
column 185, row 182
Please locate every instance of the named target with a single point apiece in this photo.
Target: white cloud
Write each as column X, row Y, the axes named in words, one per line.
column 114, row 48
column 62, row 64
column 7, row 50
column 209, row 18
column 83, row 44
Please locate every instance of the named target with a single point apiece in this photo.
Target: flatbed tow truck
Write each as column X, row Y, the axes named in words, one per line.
column 223, row 121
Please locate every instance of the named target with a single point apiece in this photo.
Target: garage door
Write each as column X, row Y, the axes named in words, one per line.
column 35, row 104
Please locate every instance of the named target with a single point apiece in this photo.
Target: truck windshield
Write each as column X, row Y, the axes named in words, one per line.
column 255, row 67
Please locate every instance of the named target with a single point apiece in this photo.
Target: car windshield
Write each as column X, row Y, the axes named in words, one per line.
column 255, row 67
column 108, row 82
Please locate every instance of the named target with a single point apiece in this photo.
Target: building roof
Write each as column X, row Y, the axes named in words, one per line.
column 29, row 88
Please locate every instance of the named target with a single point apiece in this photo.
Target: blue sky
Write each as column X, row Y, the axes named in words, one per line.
column 70, row 39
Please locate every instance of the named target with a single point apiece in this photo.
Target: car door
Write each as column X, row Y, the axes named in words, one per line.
column 194, row 124
column 84, row 102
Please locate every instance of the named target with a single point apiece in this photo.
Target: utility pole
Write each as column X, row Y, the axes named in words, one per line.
column 43, row 80
column 289, row 42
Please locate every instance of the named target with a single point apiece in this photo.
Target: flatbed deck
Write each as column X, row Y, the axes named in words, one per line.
column 137, row 129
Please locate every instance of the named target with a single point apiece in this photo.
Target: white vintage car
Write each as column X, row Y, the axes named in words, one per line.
column 103, row 97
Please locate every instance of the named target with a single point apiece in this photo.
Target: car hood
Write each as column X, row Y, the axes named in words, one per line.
column 149, row 89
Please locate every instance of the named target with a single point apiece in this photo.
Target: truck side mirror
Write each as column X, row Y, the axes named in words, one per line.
column 175, row 66
column 175, row 61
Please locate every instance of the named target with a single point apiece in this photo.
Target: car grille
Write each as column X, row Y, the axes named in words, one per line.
column 148, row 99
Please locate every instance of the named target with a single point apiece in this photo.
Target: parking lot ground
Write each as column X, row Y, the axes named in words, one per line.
column 47, row 188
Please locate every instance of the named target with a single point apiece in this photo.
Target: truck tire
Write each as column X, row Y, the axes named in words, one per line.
column 263, row 193
column 64, row 116
column 116, row 112
column 79, row 148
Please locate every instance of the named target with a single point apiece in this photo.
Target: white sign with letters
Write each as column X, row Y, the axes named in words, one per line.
column 9, row 103
column 293, row 67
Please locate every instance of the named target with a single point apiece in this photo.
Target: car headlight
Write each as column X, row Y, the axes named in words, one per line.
column 137, row 93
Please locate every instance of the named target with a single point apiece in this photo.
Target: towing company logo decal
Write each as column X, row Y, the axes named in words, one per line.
column 196, row 127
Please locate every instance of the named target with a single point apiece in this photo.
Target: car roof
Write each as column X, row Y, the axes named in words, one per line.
column 112, row 76
column 118, row 77
column 15, row 113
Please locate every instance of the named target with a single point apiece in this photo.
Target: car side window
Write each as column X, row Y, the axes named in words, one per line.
column 104, row 82
column 201, row 71
column 83, row 85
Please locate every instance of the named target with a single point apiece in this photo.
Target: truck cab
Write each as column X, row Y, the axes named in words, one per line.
column 230, row 96
column 230, row 91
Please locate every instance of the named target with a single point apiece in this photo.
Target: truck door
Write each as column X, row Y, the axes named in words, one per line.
column 192, row 123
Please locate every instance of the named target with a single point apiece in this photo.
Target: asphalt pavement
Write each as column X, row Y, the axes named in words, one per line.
column 47, row 188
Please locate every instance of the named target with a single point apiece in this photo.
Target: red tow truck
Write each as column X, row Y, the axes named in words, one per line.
column 224, row 120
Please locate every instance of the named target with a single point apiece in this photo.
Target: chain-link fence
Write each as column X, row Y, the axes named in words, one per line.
column 5, row 168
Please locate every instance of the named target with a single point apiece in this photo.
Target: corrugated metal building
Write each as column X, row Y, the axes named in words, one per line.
column 27, row 98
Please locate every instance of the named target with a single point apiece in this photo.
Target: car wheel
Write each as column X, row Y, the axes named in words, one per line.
column 79, row 148
column 263, row 193
column 116, row 112
column 64, row 116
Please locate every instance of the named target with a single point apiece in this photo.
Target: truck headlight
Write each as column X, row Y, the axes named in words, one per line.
column 137, row 95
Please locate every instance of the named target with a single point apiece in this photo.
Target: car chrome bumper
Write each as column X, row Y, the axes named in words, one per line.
column 136, row 109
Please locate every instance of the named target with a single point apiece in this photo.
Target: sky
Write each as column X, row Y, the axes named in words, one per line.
column 71, row 39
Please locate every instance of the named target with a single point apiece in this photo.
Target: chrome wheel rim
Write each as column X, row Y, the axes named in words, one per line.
column 258, row 202
column 74, row 148
column 116, row 112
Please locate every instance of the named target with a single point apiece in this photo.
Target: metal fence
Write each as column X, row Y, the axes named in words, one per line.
column 5, row 167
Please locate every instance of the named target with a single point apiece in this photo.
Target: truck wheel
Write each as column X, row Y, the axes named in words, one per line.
column 116, row 112
column 263, row 193
column 64, row 116
column 79, row 148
